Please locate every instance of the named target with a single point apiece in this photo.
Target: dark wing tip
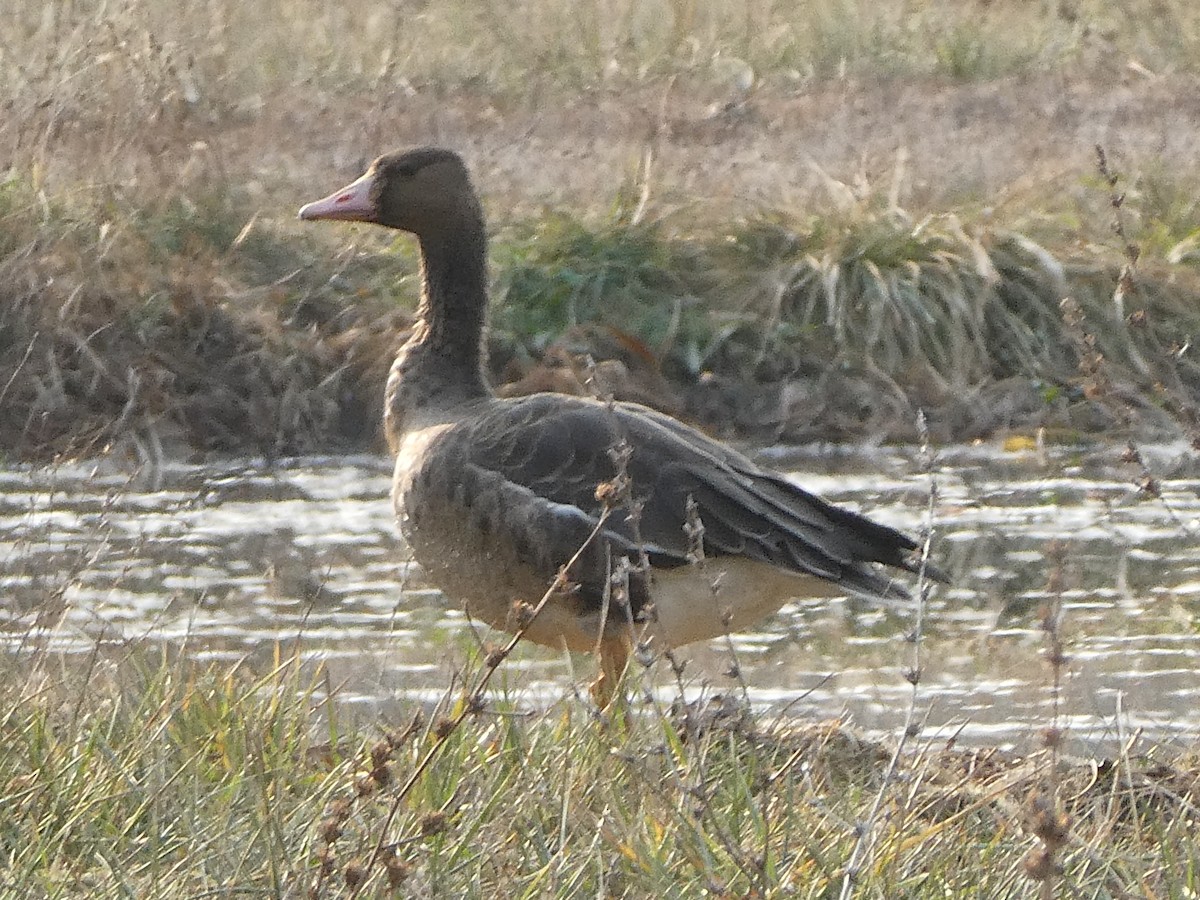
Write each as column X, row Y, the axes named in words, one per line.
column 913, row 563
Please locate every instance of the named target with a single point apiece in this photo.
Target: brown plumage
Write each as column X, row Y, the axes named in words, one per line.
column 495, row 495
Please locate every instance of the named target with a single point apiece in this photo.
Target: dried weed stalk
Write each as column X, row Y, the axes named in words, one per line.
column 1046, row 816
column 1098, row 385
column 865, row 829
column 473, row 702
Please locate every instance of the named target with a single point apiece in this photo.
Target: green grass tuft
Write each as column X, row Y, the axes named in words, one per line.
column 559, row 273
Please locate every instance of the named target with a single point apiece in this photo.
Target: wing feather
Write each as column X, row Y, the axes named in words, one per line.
column 556, row 450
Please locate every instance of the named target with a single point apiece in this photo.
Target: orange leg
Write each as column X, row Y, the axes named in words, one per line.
column 614, row 658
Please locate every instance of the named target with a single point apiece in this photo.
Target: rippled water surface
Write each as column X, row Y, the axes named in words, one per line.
column 232, row 562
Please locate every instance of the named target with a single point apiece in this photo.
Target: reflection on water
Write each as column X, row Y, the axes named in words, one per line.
column 227, row 562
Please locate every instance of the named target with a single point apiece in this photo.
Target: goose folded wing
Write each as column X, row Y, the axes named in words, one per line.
column 552, row 452
column 751, row 512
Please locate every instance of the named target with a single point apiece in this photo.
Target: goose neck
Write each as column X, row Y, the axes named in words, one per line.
column 453, row 307
column 439, row 371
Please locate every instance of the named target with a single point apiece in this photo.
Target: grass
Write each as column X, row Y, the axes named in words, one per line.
column 171, row 322
column 192, row 323
column 249, row 51
column 154, row 776
column 859, row 203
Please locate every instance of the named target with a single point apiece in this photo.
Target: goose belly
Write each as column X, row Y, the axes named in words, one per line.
column 477, row 566
column 724, row 595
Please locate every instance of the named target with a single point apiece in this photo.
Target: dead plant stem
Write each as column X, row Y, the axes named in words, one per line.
column 472, row 702
column 864, row 844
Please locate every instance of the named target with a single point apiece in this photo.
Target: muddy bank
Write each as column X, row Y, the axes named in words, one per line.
column 180, row 330
column 729, row 262
column 270, row 345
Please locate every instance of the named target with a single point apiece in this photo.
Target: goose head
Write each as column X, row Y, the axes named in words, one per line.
column 427, row 192
column 424, row 192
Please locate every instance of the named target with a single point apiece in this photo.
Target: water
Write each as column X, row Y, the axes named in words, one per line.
column 234, row 562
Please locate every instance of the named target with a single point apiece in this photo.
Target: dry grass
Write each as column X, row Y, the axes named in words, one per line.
column 188, row 323
column 139, row 328
column 906, row 194
column 147, row 98
column 161, row 778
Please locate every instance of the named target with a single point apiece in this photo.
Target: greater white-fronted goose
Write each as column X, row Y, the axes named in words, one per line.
column 495, row 495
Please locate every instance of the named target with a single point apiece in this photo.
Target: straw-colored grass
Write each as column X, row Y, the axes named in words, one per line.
column 874, row 207
column 135, row 775
column 229, row 57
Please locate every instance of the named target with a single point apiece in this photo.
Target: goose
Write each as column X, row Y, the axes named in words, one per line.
column 494, row 496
